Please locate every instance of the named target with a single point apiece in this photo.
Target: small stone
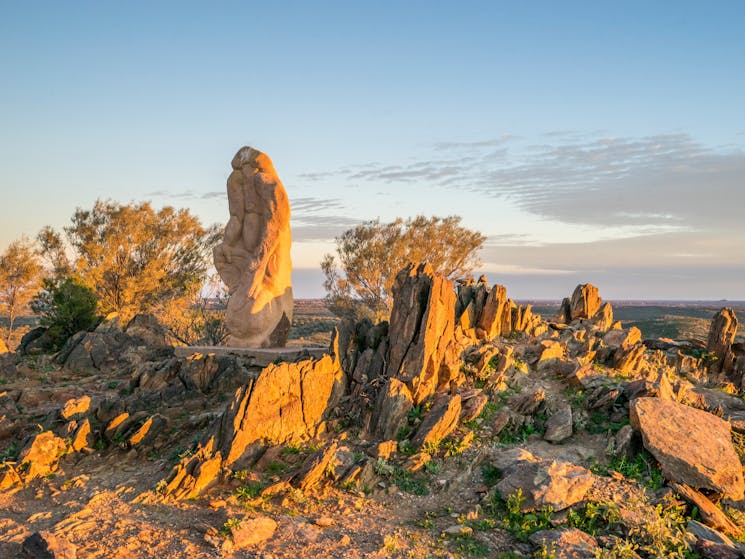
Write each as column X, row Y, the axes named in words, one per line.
column 324, row 521
column 458, row 530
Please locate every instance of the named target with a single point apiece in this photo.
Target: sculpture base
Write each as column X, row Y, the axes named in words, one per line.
column 261, row 356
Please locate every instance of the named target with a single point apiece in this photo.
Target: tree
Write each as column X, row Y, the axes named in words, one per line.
column 370, row 255
column 66, row 307
column 137, row 259
column 20, row 272
column 52, row 250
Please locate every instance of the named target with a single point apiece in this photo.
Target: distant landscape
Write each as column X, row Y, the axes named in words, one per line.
column 678, row 320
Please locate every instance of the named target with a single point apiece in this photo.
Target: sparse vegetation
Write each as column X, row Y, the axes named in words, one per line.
column 359, row 278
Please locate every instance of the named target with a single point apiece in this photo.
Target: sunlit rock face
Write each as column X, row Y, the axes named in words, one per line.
column 254, row 258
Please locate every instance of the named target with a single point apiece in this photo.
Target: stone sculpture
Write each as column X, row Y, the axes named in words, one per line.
column 254, row 258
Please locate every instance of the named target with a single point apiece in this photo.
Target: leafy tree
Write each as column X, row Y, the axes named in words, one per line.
column 52, row 250
column 137, row 259
column 370, row 255
column 20, row 271
column 66, row 307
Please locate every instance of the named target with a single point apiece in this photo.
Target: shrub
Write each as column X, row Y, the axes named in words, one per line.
column 66, row 307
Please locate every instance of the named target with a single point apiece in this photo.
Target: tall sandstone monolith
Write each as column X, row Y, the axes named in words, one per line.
column 254, row 257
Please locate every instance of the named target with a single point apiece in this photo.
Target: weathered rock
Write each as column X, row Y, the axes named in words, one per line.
column 559, row 425
column 391, row 410
column 286, row 403
column 314, row 468
column 75, row 407
column 148, row 431
column 254, row 258
column 692, row 446
column 145, row 329
column 624, row 338
column 629, row 361
column 566, row 543
column 546, row 483
column 439, row 422
column 722, row 334
column 603, row 320
column 472, row 407
column 29, row 343
column 252, row 531
column 711, row 515
column 422, row 352
column 703, row 532
column 42, row 454
column 711, row 550
column 585, row 302
column 495, row 312
column 46, row 545
column 190, row 479
column 83, row 437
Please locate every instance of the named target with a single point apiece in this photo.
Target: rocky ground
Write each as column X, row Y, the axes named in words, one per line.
column 466, row 426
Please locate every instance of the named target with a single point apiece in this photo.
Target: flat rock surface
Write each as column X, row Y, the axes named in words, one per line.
column 692, row 446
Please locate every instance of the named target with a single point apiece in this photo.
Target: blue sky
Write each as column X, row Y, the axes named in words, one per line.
column 592, row 141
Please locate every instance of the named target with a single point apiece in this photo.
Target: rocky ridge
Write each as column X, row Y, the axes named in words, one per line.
column 573, row 434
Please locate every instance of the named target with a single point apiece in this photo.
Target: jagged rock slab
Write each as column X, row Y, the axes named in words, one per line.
column 421, row 331
column 285, row 403
column 692, row 446
column 439, row 422
column 391, row 409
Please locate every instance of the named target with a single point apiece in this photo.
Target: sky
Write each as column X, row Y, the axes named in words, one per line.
column 597, row 142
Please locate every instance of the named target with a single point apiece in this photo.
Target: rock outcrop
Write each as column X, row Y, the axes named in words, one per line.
column 692, row 446
column 422, row 353
column 586, row 304
column 254, row 258
column 287, row 402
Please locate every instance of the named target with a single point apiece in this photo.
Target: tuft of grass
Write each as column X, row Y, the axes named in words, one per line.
column 643, row 468
column 520, row 524
column 229, row 525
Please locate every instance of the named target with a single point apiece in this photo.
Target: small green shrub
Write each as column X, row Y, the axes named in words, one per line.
column 66, row 307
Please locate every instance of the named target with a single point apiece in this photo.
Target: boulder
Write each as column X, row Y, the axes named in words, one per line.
column 495, row 313
column 46, row 545
column 623, row 338
column 422, row 347
column 585, row 302
column 75, row 407
column 559, row 425
column 603, row 320
column 439, row 422
column 252, row 531
column 692, row 446
column 286, row 403
column 546, row 483
column 42, row 454
column 314, row 468
column 391, row 410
